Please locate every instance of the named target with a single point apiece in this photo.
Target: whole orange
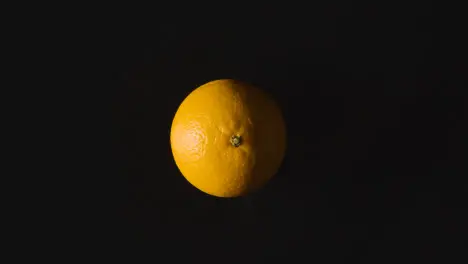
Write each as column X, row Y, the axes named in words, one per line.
column 228, row 138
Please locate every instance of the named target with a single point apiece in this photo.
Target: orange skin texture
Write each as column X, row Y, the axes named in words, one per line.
column 202, row 131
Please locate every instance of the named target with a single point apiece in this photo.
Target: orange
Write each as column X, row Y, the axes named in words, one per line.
column 228, row 138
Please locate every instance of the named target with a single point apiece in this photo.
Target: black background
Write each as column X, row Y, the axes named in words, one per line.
column 369, row 94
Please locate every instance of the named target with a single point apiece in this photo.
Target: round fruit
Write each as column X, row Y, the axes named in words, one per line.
column 228, row 138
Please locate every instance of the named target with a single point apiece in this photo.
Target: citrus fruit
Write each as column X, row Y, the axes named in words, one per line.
column 228, row 138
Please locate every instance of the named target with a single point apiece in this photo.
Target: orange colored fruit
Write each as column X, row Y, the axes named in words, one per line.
column 228, row 138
